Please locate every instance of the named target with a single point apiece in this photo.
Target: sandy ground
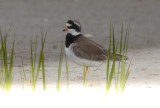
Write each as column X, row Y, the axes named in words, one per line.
column 144, row 71
column 29, row 17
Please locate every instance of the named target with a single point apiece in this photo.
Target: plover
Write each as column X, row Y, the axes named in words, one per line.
column 82, row 50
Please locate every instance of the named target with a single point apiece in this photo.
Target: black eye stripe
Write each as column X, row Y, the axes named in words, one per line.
column 74, row 27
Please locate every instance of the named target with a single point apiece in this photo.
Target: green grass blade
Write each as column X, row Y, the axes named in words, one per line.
column 43, row 73
column 112, row 72
column 32, row 70
column 120, row 50
column 40, row 57
column 24, row 74
column 1, row 74
column 111, row 76
column 38, row 68
column 126, row 77
column 123, row 63
column 0, row 52
column 59, row 68
column 43, row 66
column 35, row 53
column 127, row 41
column 4, row 50
column 1, row 71
column 108, row 59
column 11, row 63
column 22, row 80
column 6, row 33
column 108, row 62
column 67, row 72
column 3, row 44
column 0, row 44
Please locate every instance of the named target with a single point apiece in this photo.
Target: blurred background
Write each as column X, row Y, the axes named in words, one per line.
column 29, row 17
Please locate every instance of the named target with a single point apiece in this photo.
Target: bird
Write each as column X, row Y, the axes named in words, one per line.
column 81, row 49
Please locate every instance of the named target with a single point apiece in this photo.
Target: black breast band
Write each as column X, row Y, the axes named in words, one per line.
column 70, row 39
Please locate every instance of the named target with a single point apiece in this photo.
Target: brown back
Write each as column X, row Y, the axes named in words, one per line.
column 85, row 48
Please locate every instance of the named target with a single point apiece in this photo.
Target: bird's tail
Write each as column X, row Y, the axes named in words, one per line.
column 119, row 57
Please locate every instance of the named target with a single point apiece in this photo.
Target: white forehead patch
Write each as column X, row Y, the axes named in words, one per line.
column 68, row 25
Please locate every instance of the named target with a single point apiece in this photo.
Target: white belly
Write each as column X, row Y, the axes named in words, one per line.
column 79, row 61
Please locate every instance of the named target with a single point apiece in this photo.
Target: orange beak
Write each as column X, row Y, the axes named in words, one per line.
column 66, row 29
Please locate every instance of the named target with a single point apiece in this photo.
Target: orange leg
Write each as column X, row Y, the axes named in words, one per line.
column 86, row 71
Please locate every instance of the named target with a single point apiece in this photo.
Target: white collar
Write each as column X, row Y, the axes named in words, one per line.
column 73, row 32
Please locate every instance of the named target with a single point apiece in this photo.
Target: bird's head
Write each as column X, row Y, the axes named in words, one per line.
column 73, row 27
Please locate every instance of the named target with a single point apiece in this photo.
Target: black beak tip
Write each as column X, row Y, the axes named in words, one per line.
column 63, row 30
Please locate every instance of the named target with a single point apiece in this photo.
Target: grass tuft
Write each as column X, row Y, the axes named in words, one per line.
column 122, row 75
column 6, row 71
column 34, row 71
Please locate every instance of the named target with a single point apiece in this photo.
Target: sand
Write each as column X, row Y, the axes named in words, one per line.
column 28, row 18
